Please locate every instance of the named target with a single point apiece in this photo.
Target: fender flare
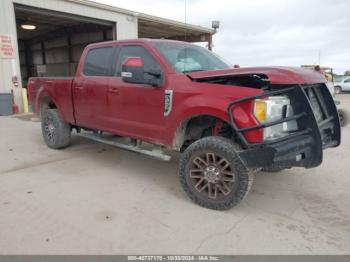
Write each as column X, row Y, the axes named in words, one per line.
column 42, row 94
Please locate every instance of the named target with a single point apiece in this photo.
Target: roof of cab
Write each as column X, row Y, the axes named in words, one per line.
column 133, row 41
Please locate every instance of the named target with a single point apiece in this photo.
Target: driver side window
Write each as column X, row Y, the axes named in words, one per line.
column 136, row 51
column 347, row 80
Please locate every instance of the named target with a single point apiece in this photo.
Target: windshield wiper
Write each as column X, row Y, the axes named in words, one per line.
column 191, row 71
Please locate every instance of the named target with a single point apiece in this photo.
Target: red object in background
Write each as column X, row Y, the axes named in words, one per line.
column 133, row 62
column 15, row 108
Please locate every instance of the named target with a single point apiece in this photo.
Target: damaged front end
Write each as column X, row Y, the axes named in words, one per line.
column 318, row 128
column 308, row 121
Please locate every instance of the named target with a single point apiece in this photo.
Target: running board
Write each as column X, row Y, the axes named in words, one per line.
column 158, row 154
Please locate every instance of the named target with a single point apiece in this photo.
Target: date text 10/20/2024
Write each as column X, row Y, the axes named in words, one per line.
column 173, row 258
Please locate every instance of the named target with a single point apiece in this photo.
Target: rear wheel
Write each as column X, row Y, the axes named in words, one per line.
column 212, row 174
column 56, row 133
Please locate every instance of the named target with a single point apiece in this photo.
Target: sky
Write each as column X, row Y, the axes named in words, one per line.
column 265, row 32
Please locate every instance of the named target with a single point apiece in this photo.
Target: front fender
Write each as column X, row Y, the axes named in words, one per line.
column 199, row 105
column 202, row 105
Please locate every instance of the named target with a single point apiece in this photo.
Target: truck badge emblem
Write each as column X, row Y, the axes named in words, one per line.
column 168, row 102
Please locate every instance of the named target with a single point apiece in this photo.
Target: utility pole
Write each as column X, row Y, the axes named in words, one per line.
column 319, row 57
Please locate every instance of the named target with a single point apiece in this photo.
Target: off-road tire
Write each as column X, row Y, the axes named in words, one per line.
column 56, row 133
column 226, row 149
column 337, row 89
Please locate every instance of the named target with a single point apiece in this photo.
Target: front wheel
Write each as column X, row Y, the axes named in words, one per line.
column 56, row 133
column 212, row 174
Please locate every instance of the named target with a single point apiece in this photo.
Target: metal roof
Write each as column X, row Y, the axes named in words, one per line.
column 147, row 18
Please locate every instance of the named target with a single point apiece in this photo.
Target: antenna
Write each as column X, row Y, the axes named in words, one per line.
column 184, row 62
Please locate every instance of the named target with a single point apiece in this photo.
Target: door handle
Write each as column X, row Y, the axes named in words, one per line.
column 79, row 87
column 113, row 90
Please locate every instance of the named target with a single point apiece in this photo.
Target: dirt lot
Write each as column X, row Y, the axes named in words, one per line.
column 94, row 199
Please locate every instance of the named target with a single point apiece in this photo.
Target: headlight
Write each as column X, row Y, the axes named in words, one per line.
column 271, row 109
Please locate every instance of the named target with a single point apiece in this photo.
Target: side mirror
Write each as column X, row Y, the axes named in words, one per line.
column 133, row 72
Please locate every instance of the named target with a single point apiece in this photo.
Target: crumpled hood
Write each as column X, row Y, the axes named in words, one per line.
column 276, row 75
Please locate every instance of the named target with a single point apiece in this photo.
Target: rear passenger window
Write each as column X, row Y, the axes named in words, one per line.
column 139, row 51
column 98, row 61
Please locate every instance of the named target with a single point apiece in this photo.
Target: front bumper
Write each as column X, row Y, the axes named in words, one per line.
column 298, row 151
column 319, row 128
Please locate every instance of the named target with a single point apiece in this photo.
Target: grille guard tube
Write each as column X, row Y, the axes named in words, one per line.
column 306, row 142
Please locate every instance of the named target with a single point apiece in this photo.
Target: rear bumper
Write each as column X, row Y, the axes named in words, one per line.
column 319, row 128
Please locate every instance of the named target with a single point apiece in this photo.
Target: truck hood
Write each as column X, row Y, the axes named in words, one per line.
column 276, row 75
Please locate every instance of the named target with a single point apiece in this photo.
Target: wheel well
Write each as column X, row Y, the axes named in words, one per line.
column 46, row 103
column 201, row 126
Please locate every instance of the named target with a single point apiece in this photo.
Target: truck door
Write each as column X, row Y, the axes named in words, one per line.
column 136, row 109
column 90, row 88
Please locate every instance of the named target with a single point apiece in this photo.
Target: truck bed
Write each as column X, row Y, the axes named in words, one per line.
column 58, row 88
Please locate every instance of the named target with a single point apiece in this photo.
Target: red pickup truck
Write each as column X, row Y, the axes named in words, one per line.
column 226, row 122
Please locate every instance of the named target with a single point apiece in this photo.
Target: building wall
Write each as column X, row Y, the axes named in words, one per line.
column 126, row 28
column 126, row 25
column 9, row 67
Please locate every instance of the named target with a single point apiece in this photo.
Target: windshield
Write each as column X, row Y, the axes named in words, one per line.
column 186, row 58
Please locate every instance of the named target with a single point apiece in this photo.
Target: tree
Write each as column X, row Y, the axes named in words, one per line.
column 347, row 73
